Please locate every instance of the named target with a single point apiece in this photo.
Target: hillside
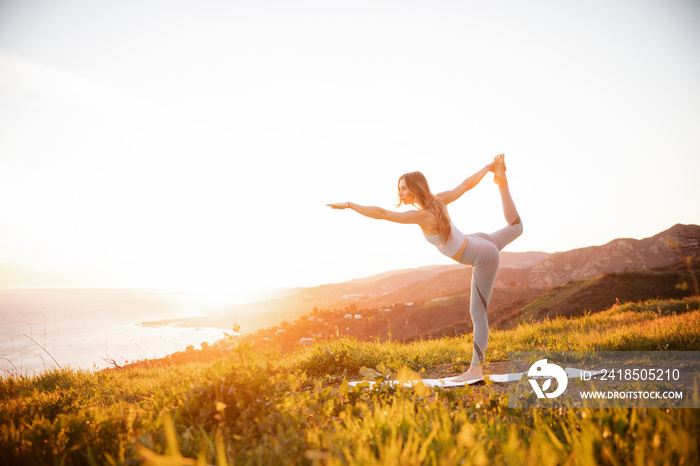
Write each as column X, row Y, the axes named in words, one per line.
column 615, row 256
column 447, row 315
column 618, row 255
column 402, row 285
column 672, row 281
column 251, row 404
column 386, row 289
column 549, row 271
column 428, row 283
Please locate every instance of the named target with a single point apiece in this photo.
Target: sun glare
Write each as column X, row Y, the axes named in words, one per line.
column 130, row 172
column 217, row 296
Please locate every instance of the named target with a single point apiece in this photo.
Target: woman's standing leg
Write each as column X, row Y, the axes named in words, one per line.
column 482, row 253
column 483, row 279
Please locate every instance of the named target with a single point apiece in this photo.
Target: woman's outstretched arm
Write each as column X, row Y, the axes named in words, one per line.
column 412, row 216
column 454, row 194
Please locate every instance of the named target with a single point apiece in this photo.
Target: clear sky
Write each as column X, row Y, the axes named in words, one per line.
column 183, row 144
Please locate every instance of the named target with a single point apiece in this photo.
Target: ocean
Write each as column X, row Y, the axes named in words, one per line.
column 82, row 329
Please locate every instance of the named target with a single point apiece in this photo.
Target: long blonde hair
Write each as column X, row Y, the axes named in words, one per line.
column 418, row 185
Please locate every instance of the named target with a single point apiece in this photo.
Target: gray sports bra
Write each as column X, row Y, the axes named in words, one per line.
column 452, row 246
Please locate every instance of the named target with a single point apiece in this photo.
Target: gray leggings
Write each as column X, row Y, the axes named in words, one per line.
column 483, row 253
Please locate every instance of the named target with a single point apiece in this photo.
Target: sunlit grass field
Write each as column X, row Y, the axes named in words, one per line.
column 264, row 406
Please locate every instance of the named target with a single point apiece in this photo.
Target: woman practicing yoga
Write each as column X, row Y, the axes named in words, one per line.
column 480, row 250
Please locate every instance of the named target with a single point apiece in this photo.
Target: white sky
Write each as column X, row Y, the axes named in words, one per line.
column 195, row 144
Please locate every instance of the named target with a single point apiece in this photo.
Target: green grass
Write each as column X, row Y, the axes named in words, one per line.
column 264, row 406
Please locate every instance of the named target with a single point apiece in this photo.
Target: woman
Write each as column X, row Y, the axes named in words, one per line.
column 480, row 250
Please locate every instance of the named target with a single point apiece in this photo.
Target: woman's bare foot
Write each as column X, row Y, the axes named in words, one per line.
column 474, row 373
column 499, row 170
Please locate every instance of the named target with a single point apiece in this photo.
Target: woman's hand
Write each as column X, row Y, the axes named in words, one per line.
column 490, row 166
column 339, row 205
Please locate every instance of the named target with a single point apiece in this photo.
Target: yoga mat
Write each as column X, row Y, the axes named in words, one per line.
column 442, row 383
column 447, row 382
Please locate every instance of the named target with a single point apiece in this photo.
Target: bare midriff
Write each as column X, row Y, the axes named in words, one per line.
column 458, row 256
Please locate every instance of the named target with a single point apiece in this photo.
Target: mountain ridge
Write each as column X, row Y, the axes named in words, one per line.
column 509, row 307
column 434, row 282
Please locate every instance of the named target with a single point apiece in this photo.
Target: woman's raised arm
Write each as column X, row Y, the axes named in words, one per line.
column 454, row 194
column 412, row 216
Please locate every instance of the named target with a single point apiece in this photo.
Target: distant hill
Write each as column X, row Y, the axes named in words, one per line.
column 527, row 270
column 532, row 271
column 449, row 315
column 399, row 286
column 595, row 294
column 548, row 270
column 617, row 255
column 390, row 287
